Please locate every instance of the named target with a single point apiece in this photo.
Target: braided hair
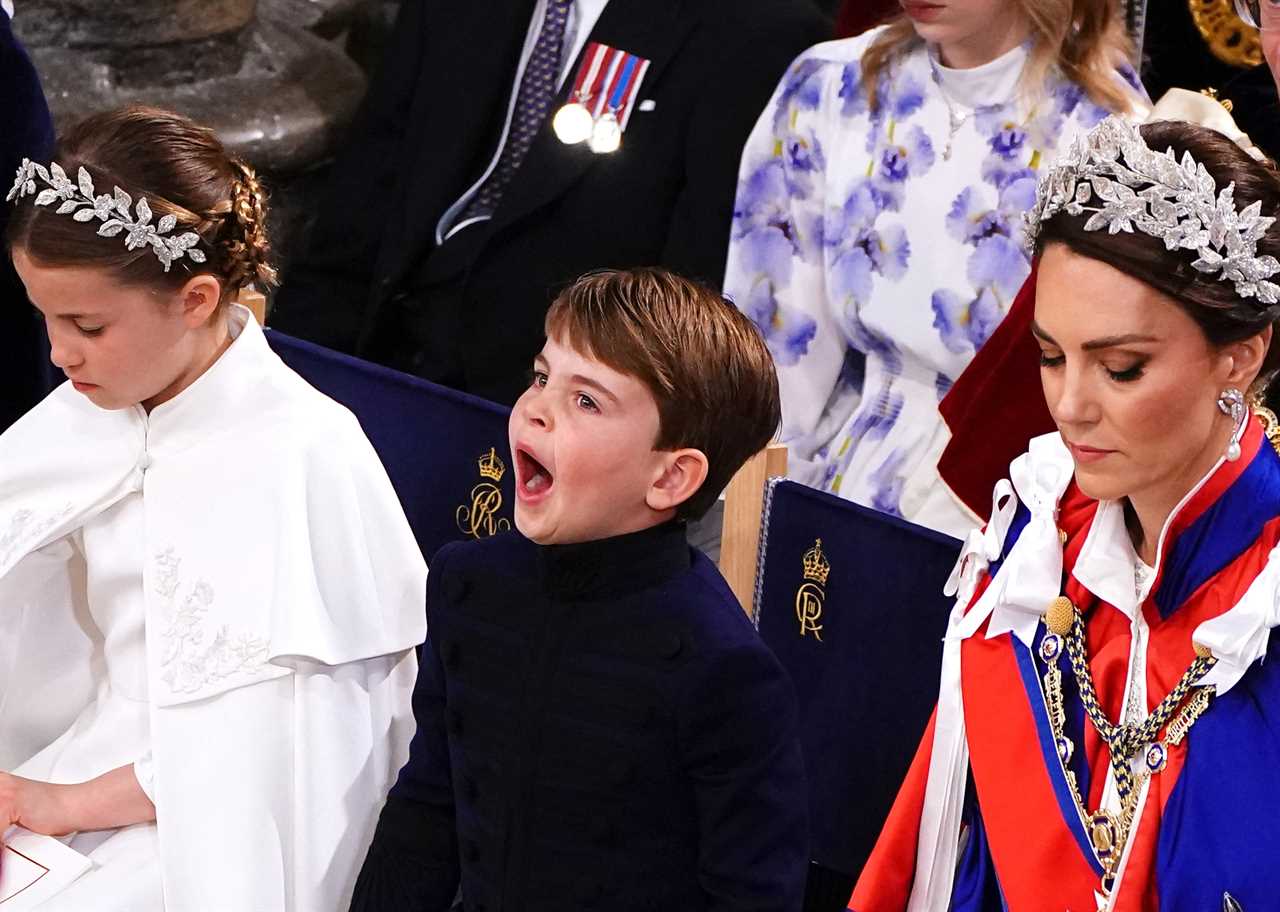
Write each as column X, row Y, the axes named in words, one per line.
column 248, row 249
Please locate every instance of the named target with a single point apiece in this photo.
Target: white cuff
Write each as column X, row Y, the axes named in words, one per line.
column 144, row 769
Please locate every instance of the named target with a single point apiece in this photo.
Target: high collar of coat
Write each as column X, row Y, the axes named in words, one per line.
column 1208, row 511
column 615, row 565
column 1224, row 514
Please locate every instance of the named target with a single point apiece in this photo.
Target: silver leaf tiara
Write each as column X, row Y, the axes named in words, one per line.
column 116, row 210
column 1174, row 201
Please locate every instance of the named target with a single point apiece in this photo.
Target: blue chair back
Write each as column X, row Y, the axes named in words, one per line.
column 446, row 452
column 850, row 600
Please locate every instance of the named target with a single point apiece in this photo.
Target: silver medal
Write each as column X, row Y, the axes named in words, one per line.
column 572, row 124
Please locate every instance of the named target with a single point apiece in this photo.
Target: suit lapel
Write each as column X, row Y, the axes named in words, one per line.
column 465, row 80
column 653, row 29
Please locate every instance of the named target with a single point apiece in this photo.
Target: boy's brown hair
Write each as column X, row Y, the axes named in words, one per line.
column 704, row 362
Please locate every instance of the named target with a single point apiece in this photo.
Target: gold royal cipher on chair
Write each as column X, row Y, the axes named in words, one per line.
column 480, row 519
column 810, row 595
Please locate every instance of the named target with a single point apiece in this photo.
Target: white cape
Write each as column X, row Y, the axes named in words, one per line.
column 284, row 595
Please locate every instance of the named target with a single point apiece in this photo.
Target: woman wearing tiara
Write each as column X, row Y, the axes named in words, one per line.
column 876, row 235
column 209, row 595
column 1106, row 734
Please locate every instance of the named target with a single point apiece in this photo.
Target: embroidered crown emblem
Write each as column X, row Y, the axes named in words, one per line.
column 479, row 518
column 491, row 466
column 816, row 566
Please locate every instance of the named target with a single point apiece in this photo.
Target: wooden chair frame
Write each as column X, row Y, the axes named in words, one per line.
column 743, row 516
column 256, row 301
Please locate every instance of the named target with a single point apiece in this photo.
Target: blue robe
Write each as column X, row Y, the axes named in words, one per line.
column 1210, row 821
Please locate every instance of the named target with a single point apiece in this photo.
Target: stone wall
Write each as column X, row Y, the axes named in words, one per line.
column 276, row 93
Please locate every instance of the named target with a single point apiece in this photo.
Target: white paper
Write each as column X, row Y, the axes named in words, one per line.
column 35, row 868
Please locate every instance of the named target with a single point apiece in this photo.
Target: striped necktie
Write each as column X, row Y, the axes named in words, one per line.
column 533, row 100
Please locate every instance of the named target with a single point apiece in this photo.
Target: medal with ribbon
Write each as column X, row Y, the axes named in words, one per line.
column 604, row 95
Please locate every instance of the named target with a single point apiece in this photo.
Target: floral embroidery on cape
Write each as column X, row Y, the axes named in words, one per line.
column 26, row 527
column 195, row 653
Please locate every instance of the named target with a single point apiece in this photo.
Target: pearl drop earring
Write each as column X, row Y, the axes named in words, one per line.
column 1231, row 403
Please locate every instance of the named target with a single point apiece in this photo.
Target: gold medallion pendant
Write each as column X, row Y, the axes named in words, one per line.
column 1104, row 833
column 1226, row 34
column 1109, row 828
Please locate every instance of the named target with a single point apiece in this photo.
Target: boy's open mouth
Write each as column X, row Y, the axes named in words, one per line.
column 532, row 477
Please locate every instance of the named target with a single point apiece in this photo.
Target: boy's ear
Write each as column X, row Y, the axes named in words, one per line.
column 683, row 473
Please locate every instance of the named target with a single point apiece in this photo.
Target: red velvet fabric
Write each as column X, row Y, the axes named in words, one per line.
column 856, row 16
column 995, row 407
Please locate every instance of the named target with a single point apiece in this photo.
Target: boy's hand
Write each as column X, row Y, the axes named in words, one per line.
column 41, row 807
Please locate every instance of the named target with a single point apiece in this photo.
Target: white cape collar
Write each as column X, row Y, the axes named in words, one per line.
column 1030, row 576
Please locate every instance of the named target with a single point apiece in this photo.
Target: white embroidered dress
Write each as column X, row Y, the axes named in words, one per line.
column 225, row 594
column 114, row 730
column 878, row 250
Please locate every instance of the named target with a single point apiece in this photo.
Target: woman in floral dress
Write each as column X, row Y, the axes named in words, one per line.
column 877, row 234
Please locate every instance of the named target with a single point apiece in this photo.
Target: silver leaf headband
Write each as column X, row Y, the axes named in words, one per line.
column 1171, row 200
column 116, row 211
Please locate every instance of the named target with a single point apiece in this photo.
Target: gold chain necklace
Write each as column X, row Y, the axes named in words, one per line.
column 1266, row 417
column 1109, row 832
column 1228, row 38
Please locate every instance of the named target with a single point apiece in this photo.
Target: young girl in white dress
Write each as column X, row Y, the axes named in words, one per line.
column 209, row 594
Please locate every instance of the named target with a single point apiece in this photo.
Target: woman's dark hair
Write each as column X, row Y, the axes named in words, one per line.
column 182, row 170
column 1222, row 314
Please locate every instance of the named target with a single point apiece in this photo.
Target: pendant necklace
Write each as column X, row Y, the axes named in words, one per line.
column 1128, row 745
column 955, row 119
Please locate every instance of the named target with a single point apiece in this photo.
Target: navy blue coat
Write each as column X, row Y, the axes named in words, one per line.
column 599, row 726
column 26, row 131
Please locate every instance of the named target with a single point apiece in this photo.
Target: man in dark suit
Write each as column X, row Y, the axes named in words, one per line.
column 384, row 278
column 26, row 131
